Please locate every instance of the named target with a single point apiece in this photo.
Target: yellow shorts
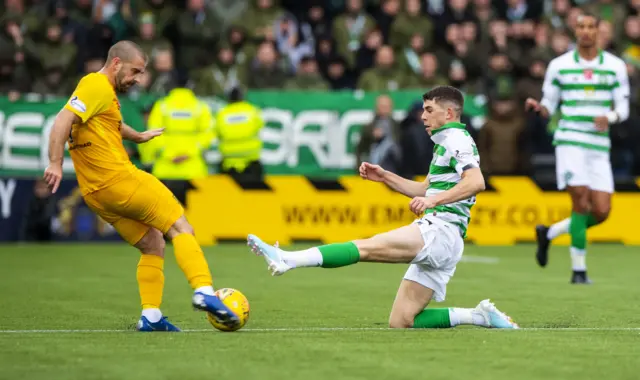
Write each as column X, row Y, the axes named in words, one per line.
column 135, row 204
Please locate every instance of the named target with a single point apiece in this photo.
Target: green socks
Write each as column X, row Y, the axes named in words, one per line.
column 432, row 319
column 592, row 221
column 339, row 255
column 578, row 229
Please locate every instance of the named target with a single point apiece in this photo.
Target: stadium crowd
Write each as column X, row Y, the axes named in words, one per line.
column 497, row 48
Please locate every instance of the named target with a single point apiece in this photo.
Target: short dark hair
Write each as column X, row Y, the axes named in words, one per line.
column 446, row 94
column 592, row 15
column 127, row 51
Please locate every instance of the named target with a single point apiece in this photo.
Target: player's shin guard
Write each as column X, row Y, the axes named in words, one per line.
column 339, row 255
column 150, row 276
column 191, row 260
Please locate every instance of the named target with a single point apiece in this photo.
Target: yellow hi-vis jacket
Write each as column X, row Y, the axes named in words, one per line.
column 188, row 132
column 238, row 128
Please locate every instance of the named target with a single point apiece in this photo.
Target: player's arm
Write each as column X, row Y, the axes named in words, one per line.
column 131, row 134
column 472, row 183
column 621, row 95
column 550, row 93
column 405, row 186
column 60, row 134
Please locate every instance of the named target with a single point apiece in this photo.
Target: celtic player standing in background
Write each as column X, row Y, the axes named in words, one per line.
column 591, row 87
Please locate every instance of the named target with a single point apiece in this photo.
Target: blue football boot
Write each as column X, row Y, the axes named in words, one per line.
column 162, row 325
column 216, row 308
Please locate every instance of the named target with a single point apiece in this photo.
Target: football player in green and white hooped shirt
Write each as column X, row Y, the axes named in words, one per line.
column 432, row 244
column 591, row 88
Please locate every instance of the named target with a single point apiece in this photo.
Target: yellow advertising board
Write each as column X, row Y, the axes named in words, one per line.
column 293, row 209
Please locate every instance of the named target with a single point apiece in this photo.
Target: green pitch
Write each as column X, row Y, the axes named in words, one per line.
column 314, row 323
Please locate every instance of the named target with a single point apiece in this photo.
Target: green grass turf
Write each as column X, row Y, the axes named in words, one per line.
column 92, row 287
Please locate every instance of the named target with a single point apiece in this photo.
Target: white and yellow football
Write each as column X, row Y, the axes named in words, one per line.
column 237, row 302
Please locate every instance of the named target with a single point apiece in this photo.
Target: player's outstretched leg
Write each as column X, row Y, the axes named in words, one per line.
column 545, row 235
column 191, row 260
column 397, row 246
column 150, row 276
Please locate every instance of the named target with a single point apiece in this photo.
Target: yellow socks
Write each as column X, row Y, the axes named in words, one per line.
column 191, row 260
column 150, row 277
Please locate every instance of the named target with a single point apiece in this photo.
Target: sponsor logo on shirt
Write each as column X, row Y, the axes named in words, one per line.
column 77, row 104
column 80, row 146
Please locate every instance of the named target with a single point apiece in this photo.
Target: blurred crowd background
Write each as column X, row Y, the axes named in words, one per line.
column 496, row 48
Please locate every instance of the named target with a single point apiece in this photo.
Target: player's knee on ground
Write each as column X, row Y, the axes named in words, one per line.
column 152, row 243
column 400, row 320
column 181, row 226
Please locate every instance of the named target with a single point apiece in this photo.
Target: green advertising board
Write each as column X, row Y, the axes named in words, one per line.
column 306, row 133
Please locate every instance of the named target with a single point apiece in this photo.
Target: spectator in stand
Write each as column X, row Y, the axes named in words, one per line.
column 294, row 40
column 260, row 18
column 379, row 140
column 317, row 19
column 267, row 70
column 606, row 37
column 339, row 76
column 631, row 50
column 456, row 12
column 383, row 76
column 325, row 52
column 163, row 73
column 385, row 16
column 307, row 77
column 16, row 52
column 220, row 77
column 198, row 33
column 484, row 15
column 163, row 13
column 39, row 215
column 350, row 28
column 415, row 144
column 54, row 52
column 500, row 78
column 366, row 55
column 557, row 18
column 148, row 38
column 408, row 24
column 612, row 11
column 530, row 86
column 428, row 76
column 243, row 50
column 409, row 57
column 501, row 141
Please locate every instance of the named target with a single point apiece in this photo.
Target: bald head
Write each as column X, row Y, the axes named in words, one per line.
column 127, row 51
column 126, row 62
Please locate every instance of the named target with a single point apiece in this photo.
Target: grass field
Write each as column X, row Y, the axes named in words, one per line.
column 314, row 323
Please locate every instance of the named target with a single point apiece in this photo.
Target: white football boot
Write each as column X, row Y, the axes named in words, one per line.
column 271, row 254
column 494, row 317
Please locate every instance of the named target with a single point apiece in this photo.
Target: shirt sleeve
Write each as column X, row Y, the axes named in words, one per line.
column 621, row 93
column 551, row 88
column 91, row 97
column 464, row 155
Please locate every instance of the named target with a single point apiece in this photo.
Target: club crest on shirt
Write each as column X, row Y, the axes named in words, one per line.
column 77, row 104
column 588, row 74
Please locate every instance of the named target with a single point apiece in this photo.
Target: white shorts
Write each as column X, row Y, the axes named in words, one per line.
column 436, row 262
column 577, row 166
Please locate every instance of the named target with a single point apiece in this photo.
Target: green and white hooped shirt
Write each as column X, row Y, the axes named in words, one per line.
column 585, row 90
column 454, row 152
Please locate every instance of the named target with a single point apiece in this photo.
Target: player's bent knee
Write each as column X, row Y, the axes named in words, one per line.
column 181, row 226
column 152, row 243
column 400, row 322
column 600, row 213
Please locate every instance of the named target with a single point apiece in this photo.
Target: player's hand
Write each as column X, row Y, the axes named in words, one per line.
column 419, row 204
column 372, row 172
column 150, row 134
column 532, row 105
column 602, row 123
column 53, row 176
column 179, row 159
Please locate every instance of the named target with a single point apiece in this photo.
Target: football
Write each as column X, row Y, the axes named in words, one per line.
column 237, row 302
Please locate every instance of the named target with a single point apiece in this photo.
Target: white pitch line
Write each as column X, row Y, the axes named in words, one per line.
column 313, row 329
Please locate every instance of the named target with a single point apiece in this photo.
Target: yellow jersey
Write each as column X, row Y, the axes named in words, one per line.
column 95, row 144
